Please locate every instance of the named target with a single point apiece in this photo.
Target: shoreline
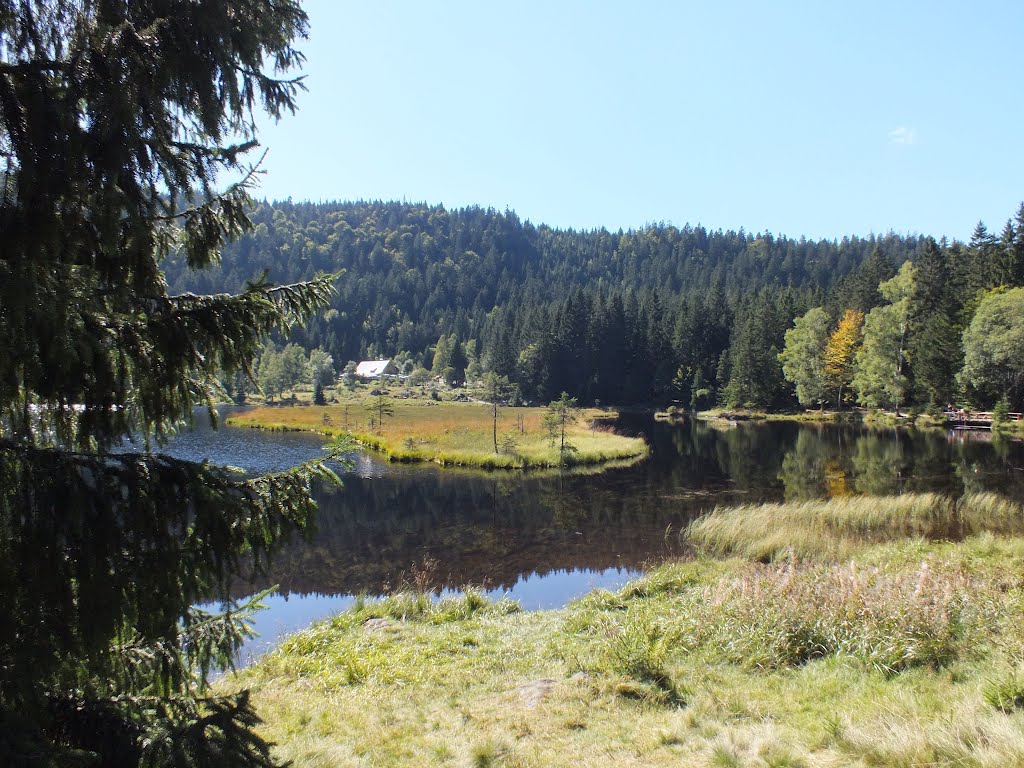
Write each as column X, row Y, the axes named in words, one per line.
column 856, row 650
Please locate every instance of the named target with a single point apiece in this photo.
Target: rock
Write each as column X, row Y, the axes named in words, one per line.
column 533, row 692
column 377, row 625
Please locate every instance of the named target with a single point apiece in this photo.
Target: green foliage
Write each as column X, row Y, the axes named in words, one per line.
column 118, row 121
column 1006, row 695
column 496, row 390
column 994, row 347
column 321, row 367
column 382, row 406
column 882, row 362
column 560, row 414
column 601, row 315
column 754, row 369
column 348, row 375
column 803, row 358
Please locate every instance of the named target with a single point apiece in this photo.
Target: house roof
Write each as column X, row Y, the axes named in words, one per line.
column 370, row 369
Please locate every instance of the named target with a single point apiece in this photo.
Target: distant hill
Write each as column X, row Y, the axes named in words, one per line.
column 415, row 273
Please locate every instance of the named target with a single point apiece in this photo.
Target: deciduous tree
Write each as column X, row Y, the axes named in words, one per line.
column 803, row 356
column 994, row 347
column 881, row 376
column 839, row 352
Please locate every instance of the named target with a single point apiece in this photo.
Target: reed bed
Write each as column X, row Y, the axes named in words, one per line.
column 836, row 529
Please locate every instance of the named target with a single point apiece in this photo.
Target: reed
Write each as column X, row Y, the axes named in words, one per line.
column 838, row 528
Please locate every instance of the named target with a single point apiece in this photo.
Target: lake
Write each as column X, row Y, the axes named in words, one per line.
column 546, row 538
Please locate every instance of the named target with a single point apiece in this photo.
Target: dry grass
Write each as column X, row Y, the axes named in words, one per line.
column 836, row 529
column 451, row 433
column 662, row 673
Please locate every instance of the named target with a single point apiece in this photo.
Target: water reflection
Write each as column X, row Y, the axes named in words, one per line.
column 496, row 529
column 546, row 538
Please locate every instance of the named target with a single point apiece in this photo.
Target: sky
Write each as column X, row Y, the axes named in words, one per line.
column 820, row 119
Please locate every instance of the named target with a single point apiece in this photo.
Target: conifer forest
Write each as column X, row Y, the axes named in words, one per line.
column 658, row 315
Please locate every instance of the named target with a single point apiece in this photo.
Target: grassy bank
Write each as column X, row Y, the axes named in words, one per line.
column 839, row 528
column 908, row 653
column 813, row 416
column 454, row 433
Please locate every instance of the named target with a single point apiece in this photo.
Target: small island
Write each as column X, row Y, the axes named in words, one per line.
column 455, row 433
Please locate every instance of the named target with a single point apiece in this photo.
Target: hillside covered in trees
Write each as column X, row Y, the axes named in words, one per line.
column 655, row 315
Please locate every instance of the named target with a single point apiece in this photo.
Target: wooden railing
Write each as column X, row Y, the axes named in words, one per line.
column 977, row 417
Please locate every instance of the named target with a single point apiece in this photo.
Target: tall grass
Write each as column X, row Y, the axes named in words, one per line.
column 835, row 529
column 771, row 617
column 779, row 617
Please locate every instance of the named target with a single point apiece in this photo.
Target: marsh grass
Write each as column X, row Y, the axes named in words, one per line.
column 838, row 528
column 701, row 663
column 907, row 655
column 457, row 434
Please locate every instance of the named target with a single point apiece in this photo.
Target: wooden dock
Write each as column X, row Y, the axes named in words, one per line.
column 963, row 419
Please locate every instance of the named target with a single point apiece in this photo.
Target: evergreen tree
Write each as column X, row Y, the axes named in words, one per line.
column 860, row 290
column 560, row 414
column 496, row 390
column 115, row 128
column 755, row 373
column 982, row 262
column 934, row 340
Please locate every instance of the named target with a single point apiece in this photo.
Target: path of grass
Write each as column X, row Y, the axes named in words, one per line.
column 453, row 433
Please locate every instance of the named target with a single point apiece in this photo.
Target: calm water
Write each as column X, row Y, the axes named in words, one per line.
column 544, row 539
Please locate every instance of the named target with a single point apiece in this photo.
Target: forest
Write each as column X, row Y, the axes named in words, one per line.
column 657, row 315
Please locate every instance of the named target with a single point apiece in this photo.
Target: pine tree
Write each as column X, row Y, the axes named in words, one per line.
column 116, row 126
column 496, row 390
column 934, row 337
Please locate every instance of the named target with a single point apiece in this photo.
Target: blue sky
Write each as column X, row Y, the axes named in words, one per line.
column 800, row 118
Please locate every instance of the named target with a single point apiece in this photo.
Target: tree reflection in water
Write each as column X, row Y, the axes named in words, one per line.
column 494, row 529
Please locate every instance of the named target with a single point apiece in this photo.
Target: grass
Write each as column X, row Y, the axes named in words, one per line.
column 453, row 433
column 838, row 528
column 910, row 655
column 811, row 415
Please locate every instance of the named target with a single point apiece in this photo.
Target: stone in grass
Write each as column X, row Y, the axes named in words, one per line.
column 533, row 692
column 377, row 625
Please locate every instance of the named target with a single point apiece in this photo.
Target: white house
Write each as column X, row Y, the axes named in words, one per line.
column 374, row 369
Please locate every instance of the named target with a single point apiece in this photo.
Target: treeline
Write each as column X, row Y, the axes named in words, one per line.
column 651, row 315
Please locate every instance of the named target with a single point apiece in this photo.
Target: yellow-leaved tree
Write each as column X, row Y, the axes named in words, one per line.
column 839, row 353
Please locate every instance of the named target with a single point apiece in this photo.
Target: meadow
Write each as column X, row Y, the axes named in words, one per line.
column 895, row 648
column 454, row 433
